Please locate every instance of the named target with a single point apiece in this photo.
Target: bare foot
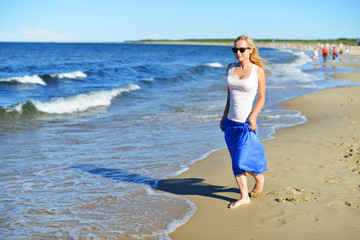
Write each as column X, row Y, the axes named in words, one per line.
column 238, row 203
column 259, row 185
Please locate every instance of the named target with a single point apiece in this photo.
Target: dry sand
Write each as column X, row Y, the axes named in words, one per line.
column 312, row 187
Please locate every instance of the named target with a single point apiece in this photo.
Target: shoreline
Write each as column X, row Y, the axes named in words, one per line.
column 213, row 186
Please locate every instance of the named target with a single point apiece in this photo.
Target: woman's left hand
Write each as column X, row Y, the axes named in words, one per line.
column 252, row 124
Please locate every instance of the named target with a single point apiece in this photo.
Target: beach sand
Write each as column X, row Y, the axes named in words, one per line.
column 312, row 187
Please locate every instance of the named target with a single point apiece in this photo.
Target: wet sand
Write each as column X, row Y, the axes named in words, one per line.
column 312, row 187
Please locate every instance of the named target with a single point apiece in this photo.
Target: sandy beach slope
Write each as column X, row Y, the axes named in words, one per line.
column 312, row 188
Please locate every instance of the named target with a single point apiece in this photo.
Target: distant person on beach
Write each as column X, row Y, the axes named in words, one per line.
column 341, row 51
column 244, row 79
column 325, row 52
column 346, row 51
column 334, row 54
column 315, row 55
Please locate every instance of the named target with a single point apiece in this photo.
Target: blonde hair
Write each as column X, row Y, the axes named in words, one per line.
column 254, row 56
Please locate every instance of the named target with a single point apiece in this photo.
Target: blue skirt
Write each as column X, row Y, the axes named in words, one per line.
column 246, row 151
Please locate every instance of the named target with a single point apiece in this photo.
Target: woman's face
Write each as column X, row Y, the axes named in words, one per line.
column 245, row 55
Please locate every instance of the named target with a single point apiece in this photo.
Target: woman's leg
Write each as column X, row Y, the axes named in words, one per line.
column 242, row 183
column 259, row 184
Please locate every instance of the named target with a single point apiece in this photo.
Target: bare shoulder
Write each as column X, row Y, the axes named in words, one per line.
column 261, row 77
column 260, row 71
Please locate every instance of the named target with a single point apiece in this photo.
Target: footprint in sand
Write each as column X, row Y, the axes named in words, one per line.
column 295, row 199
column 272, row 218
column 352, row 155
column 343, row 203
column 334, row 178
column 300, row 196
column 352, row 151
column 297, row 191
column 355, row 169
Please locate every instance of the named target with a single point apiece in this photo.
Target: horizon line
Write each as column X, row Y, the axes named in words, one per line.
column 188, row 39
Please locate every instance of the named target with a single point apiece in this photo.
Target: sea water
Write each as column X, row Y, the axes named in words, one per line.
column 87, row 131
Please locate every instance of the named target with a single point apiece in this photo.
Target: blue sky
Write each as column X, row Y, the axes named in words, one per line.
column 120, row 20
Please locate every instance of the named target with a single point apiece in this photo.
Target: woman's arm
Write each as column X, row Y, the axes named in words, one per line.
column 226, row 111
column 260, row 99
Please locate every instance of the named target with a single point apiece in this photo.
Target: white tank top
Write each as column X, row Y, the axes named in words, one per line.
column 242, row 94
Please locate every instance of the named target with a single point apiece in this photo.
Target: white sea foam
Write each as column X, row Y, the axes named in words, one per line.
column 214, row 65
column 80, row 102
column 72, row 75
column 34, row 79
column 171, row 227
column 175, row 223
column 301, row 59
column 289, row 72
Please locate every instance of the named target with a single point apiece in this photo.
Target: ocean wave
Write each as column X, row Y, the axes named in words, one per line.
column 9, row 115
column 34, row 79
column 289, row 72
column 214, row 65
column 191, row 73
column 302, row 58
column 40, row 79
column 78, row 103
column 72, row 75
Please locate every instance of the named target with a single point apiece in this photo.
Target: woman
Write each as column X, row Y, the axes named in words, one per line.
column 244, row 79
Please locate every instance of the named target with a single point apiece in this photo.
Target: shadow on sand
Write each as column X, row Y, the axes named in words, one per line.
column 179, row 186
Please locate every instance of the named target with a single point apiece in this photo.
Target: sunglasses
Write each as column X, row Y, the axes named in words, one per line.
column 242, row 50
